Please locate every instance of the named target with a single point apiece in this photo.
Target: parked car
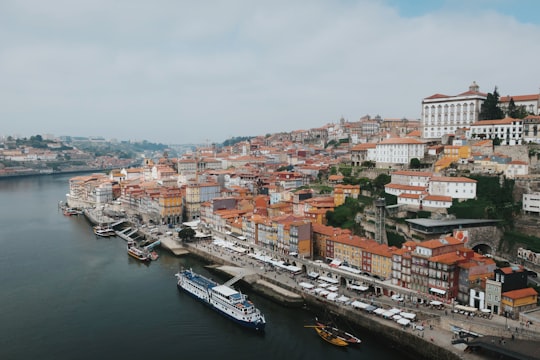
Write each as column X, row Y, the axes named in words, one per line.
column 532, row 274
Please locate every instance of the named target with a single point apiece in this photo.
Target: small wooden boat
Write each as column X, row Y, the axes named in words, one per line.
column 327, row 336
column 342, row 334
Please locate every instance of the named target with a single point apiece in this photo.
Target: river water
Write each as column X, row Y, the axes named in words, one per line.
column 66, row 294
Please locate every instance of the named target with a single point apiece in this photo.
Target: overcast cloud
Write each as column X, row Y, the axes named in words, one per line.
column 196, row 71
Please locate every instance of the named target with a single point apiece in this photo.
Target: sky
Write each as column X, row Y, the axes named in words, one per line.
column 179, row 72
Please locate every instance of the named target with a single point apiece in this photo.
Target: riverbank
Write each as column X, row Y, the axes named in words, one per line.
column 432, row 342
column 435, row 339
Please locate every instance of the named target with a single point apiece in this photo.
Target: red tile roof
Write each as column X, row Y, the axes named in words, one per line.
column 520, row 293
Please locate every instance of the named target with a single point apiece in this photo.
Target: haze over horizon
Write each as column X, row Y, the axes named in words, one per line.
column 179, row 72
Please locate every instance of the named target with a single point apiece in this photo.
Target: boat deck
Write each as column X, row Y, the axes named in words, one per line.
column 200, row 280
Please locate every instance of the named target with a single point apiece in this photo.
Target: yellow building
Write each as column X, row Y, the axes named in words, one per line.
column 341, row 192
column 170, row 205
column 346, row 249
column 515, row 301
column 381, row 261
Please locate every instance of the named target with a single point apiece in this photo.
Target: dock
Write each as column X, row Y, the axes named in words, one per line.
column 174, row 246
column 505, row 347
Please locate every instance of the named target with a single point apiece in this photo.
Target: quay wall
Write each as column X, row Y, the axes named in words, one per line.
column 406, row 341
column 251, row 280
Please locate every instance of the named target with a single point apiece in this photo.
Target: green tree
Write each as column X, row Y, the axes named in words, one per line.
column 345, row 170
column 344, row 216
column 490, row 109
column 368, row 164
column 380, row 181
column 186, row 234
column 516, row 112
column 415, row 163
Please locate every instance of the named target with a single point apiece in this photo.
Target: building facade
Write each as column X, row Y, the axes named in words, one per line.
column 443, row 114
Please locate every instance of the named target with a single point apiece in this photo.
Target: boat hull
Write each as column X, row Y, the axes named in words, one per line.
column 250, row 325
column 239, row 309
column 343, row 335
column 330, row 338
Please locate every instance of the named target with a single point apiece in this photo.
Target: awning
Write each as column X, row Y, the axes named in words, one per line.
column 438, row 291
column 332, row 296
column 328, row 280
column 358, row 287
column 306, row 285
column 465, row 308
column 407, row 315
column 379, row 311
column 403, row 322
column 335, row 263
column 359, row 305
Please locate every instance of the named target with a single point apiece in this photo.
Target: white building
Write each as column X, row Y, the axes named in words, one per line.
column 508, row 130
column 443, row 114
column 531, row 103
column 398, row 151
column 531, row 203
column 531, row 127
column 516, row 168
column 455, row 187
column 425, row 190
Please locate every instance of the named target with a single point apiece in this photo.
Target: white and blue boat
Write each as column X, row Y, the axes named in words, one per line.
column 222, row 298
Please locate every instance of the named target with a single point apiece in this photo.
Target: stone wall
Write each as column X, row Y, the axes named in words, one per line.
column 406, row 341
column 489, row 235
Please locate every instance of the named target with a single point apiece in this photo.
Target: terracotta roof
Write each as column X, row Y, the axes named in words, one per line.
column 405, row 187
column 436, row 243
column 472, row 93
column 532, row 97
column 409, row 196
column 438, row 198
column 452, row 179
column 448, row 258
column 509, row 270
column 506, row 120
column 413, row 173
column 520, row 293
column 416, row 133
column 437, row 96
column 365, row 146
column 393, row 141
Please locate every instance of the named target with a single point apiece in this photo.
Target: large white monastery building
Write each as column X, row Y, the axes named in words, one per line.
column 443, row 114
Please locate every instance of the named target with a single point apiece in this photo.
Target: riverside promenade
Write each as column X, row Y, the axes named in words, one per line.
column 435, row 337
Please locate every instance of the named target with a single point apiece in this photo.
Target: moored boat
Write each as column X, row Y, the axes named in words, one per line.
column 154, row 256
column 327, row 336
column 139, row 254
column 341, row 334
column 104, row 231
column 222, row 298
column 71, row 212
